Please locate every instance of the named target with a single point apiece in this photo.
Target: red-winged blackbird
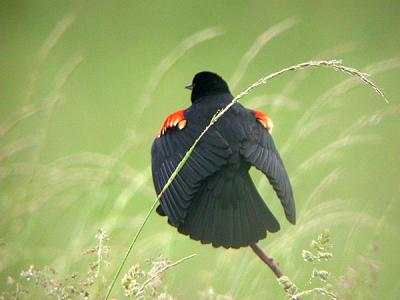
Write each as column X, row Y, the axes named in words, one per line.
column 213, row 198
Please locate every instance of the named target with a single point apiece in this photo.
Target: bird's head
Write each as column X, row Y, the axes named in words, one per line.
column 207, row 84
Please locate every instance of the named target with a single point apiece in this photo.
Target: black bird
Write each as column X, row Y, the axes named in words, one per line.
column 213, row 198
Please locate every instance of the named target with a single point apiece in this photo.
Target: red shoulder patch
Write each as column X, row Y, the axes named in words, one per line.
column 175, row 119
column 264, row 119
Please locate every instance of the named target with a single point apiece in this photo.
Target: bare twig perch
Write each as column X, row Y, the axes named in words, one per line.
column 267, row 260
column 270, row 263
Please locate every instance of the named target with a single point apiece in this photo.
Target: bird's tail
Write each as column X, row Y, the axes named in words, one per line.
column 229, row 212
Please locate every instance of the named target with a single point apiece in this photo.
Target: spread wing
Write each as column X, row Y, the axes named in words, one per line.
column 167, row 151
column 260, row 151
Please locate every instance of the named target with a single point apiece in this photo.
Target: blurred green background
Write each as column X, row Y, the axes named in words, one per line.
column 85, row 85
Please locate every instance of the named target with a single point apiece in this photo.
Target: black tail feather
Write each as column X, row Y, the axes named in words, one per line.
column 229, row 212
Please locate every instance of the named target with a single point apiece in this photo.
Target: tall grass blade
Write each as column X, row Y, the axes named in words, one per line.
column 259, row 43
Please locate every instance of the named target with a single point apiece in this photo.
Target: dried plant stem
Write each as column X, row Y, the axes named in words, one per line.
column 293, row 84
column 159, row 272
column 334, row 64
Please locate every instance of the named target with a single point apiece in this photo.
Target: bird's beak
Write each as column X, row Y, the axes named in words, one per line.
column 189, row 87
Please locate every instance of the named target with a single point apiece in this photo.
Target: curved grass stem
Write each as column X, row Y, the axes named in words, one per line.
column 129, row 250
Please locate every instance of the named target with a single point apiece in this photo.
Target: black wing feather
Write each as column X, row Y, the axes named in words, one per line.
column 209, row 156
column 260, row 151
